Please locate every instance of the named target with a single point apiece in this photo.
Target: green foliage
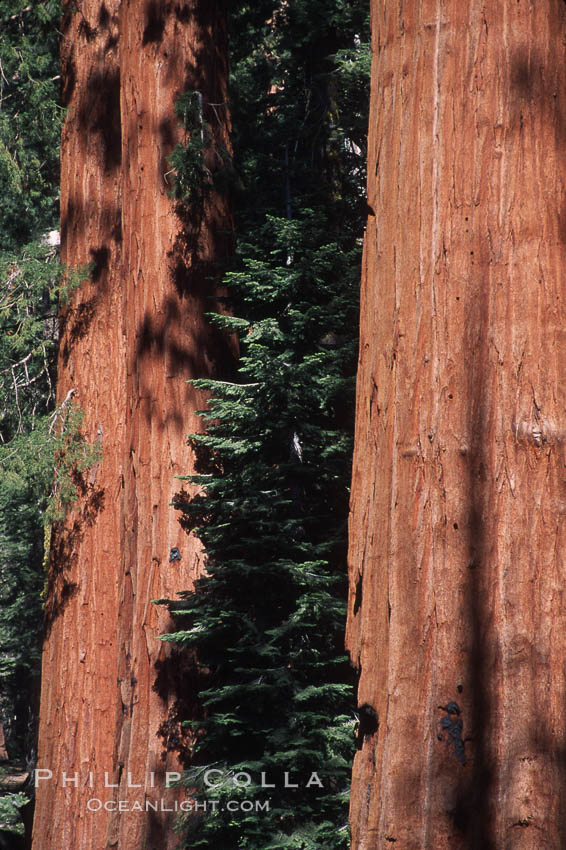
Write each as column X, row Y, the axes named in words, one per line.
column 267, row 621
column 192, row 178
column 31, row 498
column 41, row 452
column 48, row 457
column 30, row 277
column 30, row 122
column 30, row 119
column 299, row 114
column 28, row 340
column 10, row 806
column 28, row 337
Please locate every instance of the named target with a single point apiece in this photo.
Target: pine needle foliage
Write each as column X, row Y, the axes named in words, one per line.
column 35, row 439
column 28, row 332
column 41, row 449
column 30, row 119
column 28, row 340
column 10, row 821
column 192, row 179
column 266, row 623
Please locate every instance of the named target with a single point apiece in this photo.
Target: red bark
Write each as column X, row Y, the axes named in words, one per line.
column 132, row 337
column 456, row 615
column 3, row 751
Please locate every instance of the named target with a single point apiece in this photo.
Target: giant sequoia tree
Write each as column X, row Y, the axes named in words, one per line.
column 456, row 616
column 130, row 339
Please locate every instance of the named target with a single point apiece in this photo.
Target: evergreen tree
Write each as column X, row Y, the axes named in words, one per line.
column 267, row 621
column 31, row 435
column 30, row 120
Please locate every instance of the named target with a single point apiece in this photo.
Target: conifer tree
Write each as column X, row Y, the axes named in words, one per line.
column 30, row 120
column 267, row 621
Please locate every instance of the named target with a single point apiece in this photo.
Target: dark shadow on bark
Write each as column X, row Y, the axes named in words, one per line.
column 544, row 742
column 100, row 261
column 67, row 16
column 160, row 336
column 180, row 336
column 155, row 14
column 158, row 830
column 368, row 727
column 359, row 595
column 205, row 15
column 531, row 81
column 98, row 117
column 167, row 134
column 68, row 78
column 65, row 543
column 183, row 13
column 178, row 681
column 77, row 317
column 474, row 805
column 76, row 218
column 559, row 755
column 182, row 501
column 75, row 321
column 86, row 31
column 103, row 17
column 207, row 70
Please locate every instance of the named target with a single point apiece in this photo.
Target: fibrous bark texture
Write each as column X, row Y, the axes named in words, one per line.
column 456, row 615
column 133, row 336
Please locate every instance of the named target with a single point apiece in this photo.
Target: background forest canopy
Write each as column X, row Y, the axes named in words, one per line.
column 276, row 457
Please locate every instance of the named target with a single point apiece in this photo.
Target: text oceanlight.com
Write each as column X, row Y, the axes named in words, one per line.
column 96, row 805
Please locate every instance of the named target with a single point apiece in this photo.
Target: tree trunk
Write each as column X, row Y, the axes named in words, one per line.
column 131, row 338
column 456, row 614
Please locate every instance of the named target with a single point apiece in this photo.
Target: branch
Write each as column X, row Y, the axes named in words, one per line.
column 57, row 413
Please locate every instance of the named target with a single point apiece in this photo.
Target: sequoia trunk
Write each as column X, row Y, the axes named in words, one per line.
column 457, row 538
column 133, row 336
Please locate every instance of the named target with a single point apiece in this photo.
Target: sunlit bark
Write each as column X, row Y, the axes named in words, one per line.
column 131, row 338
